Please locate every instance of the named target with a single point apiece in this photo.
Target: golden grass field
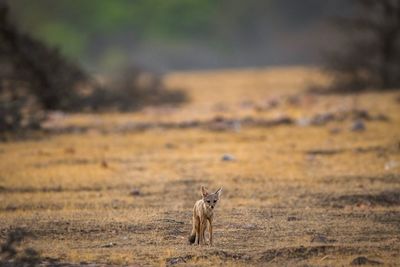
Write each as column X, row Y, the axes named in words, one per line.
column 296, row 194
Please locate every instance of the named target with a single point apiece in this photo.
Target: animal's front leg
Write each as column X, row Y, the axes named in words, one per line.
column 204, row 231
column 201, row 232
column 210, row 229
column 197, row 239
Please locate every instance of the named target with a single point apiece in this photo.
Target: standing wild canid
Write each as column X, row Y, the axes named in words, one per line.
column 203, row 212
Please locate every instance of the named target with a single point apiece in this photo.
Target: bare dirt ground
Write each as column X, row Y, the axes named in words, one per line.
column 310, row 179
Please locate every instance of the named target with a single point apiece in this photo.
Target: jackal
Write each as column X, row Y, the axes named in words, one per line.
column 203, row 213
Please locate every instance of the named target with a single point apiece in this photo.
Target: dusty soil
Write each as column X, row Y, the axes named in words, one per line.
column 307, row 184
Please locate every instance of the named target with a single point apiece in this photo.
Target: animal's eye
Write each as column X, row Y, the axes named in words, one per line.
column 215, row 201
column 208, row 201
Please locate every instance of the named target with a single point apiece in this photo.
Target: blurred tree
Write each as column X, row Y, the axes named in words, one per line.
column 47, row 73
column 84, row 29
column 178, row 33
column 33, row 77
column 36, row 77
column 371, row 58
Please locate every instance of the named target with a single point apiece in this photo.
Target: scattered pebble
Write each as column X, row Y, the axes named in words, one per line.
column 135, row 192
column 109, row 245
column 292, row 218
column 364, row 260
column 358, row 126
column 227, row 157
column 176, row 260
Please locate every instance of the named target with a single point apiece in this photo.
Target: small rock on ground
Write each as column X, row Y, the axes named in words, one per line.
column 358, row 126
column 292, row 218
column 135, row 192
column 364, row 260
column 109, row 245
column 227, row 157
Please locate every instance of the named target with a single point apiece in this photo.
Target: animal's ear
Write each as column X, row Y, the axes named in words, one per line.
column 204, row 192
column 218, row 192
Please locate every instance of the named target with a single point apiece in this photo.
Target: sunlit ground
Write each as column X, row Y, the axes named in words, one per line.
column 104, row 190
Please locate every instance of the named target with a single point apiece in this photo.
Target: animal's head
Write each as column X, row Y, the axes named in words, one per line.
column 212, row 199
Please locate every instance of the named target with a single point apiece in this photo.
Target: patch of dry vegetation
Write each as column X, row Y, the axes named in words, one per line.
column 294, row 194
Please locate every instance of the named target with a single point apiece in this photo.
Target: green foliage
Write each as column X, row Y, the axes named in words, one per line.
column 75, row 24
column 214, row 30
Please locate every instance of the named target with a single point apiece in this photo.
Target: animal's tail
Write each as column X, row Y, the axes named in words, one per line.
column 192, row 237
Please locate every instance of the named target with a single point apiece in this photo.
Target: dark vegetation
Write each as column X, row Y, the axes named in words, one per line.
column 130, row 89
column 35, row 78
column 27, row 62
column 370, row 59
column 11, row 253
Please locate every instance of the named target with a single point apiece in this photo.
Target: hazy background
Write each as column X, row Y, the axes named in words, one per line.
column 162, row 35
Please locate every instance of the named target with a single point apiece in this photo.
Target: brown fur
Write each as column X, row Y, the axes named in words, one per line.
column 203, row 212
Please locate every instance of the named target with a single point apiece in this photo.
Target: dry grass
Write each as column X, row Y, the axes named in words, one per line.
column 288, row 184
